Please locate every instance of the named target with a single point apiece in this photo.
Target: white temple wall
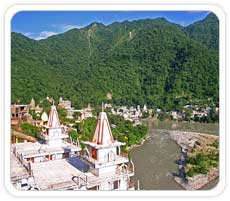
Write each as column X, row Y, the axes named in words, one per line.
column 123, row 183
column 55, row 137
column 107, row 170
column 55, row 132
column 110, row 185
column 106, row 154
column 39, row 159
column 104, row 186
column 54, row 142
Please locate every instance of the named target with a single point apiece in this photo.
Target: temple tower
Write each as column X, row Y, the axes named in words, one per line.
column 54, row 130
column 103, row 155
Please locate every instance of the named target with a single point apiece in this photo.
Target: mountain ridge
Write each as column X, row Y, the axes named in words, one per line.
column 146, row 61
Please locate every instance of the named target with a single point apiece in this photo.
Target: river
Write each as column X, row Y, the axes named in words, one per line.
column 155, row 159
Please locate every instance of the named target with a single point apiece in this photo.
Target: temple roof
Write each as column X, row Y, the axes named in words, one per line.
column 53, row 120
column 103, row 134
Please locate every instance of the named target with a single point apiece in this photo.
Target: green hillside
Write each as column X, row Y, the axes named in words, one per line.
column 206, row 31
column 148, row 61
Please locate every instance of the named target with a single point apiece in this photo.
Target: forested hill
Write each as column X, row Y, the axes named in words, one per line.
column 206, row 31
column 148, row 61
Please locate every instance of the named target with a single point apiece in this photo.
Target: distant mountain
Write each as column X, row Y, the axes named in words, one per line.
column 148, row 61
column 206, row 31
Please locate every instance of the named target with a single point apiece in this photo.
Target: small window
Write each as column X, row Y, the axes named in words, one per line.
column 94, row 154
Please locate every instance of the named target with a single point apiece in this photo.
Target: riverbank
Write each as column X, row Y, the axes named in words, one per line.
column 138, row 145
column 198, row 181
column 148, row 123
column 209, row 128
column 194, row 143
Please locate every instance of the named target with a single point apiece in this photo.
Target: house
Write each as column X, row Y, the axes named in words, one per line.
column 18, row 112
column 64, row 104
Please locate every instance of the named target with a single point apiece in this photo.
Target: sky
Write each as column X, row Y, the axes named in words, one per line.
column 42, row 24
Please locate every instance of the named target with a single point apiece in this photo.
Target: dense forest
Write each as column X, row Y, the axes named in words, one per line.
column 148, row 61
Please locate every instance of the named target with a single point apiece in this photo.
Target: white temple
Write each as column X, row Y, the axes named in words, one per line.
column 58, row 165
column 55, row 132
column 103, row 155
column 54, row 146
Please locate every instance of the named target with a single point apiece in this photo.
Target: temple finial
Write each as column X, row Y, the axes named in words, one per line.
column 102, row 106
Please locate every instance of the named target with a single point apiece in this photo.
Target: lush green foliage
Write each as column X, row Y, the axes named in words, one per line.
column 124, row 131
column 206, row 31
column 202, row 163
column 34, row 115
column 85, row 129
column 164, row 116
column 74, row 135
column 215, row 144
column 30, row 130
column 145, row 115
column 145, row 61
column 46, row 105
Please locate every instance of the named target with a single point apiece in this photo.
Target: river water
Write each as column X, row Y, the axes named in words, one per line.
column 155, row 159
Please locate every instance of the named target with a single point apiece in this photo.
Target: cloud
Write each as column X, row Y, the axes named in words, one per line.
column 28, row 34
column 39, row 36
column 66, row 27
column 45, row 34
column 57, row 29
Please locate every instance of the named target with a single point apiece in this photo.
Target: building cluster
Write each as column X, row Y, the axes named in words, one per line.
column 21, row 112
column 196, row 112
column 132, row 114
column 58, row 163
column 83, row 113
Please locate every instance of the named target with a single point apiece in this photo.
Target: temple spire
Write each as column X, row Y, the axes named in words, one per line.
column 103, row 134
column 53, row 120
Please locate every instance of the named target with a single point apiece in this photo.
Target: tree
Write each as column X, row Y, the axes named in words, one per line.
column 77, row 114
column 30, row 130
column 188, row 114
column 74, row 135
column 145, row 115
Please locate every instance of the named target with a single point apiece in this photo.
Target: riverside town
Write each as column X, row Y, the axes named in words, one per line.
column 126, row 101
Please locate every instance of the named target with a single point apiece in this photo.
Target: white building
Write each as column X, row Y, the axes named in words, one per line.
column 55, row 132
column 145, row 108
column 66, row 104
column 106, row 163
column 58, row 165
column 86, row 113
column 28, row 154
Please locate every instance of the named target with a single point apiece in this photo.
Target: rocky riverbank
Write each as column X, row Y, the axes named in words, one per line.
column 198, row 181
column 193, row 143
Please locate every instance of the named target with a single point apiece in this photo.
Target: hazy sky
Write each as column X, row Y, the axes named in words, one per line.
column 42, row 24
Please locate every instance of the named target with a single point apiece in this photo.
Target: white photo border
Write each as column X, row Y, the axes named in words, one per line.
column 222, row 56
